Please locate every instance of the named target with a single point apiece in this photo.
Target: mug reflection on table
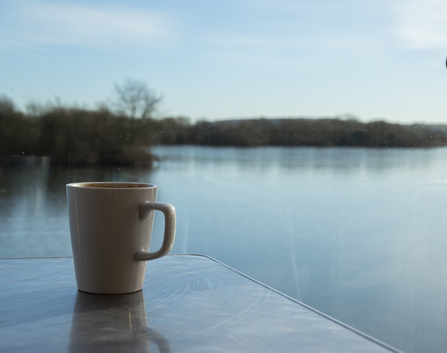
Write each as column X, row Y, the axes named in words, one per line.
column 112, row 323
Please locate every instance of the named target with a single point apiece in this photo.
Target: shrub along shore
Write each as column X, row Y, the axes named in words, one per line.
column 80, row 136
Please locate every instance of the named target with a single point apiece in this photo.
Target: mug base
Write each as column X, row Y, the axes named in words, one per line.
column 83, row 291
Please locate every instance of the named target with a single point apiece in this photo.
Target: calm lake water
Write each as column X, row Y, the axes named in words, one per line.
column 359, row 234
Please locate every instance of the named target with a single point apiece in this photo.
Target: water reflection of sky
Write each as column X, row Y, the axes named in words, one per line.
column 356, row 233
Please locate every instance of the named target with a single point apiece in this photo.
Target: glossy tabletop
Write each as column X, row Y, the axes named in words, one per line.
column 189, row 304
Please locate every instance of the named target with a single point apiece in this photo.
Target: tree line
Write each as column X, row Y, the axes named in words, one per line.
column 102, row 136
column 323, row 132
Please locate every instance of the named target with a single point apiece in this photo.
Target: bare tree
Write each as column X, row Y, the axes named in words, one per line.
column 135, row 99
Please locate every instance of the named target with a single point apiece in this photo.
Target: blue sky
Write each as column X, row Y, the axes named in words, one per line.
column 226, row 59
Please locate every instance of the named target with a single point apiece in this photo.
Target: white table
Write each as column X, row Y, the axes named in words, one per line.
column 189, row 303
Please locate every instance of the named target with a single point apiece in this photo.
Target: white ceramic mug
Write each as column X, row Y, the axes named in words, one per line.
column 110, row 227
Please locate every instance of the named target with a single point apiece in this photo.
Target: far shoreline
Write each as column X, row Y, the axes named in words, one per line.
column 101, row 137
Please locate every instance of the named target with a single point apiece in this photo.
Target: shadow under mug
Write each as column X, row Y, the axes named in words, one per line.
column 110, row 227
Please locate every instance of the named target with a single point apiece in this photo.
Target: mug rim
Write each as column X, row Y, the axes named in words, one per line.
column 113, row 185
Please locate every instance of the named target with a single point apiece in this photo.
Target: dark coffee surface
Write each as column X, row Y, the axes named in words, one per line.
column 116, row 185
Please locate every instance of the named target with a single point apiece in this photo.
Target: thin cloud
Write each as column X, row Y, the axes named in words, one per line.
column 279, row 42
column 41, row 23
column 423, row 23
column 279, row 51
column 275, row 5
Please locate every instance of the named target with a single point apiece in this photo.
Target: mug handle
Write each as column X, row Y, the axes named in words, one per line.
column 168, row 240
